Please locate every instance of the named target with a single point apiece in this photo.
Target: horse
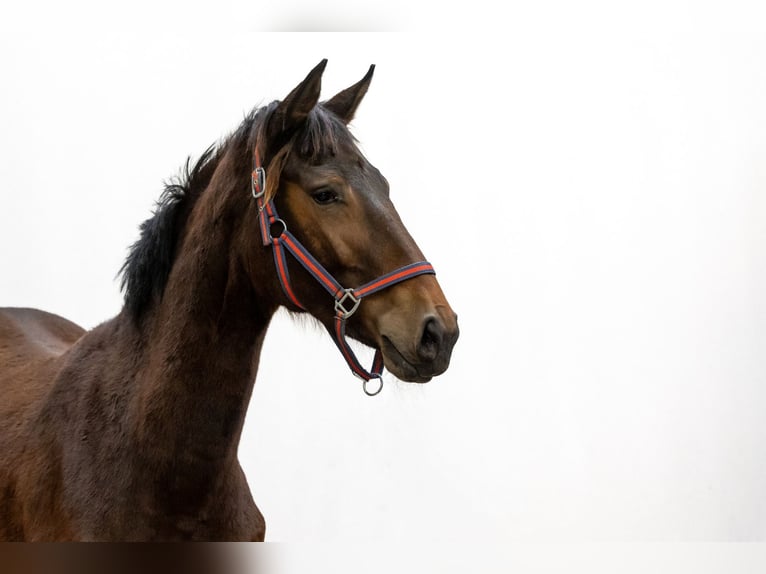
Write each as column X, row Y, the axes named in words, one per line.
column 130, row 431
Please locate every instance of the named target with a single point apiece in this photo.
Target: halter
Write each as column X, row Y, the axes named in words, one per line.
column 274, row 232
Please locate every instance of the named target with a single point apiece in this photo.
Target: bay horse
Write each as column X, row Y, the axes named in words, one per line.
column 130, row 431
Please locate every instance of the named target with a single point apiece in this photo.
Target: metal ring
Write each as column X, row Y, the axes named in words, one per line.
column 380, row 388
column 340, row 304
column 284, row 228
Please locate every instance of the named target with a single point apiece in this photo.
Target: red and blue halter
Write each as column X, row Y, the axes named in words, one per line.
column 274, row 232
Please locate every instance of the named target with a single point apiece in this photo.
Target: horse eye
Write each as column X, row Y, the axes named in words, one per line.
column 324, row 196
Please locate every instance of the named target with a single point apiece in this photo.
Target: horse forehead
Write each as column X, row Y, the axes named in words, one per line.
column 364, row 173
column 357, row 171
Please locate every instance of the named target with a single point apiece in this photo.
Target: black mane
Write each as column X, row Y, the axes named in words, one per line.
column 150, row 260
column 147, row 267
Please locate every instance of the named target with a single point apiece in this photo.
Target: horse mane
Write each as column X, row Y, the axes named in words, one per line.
column 150, row 259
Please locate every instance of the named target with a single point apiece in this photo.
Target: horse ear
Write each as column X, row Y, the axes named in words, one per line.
column 294, row 109
column 344, row 103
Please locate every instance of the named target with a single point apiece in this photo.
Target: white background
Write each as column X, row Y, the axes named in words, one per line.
column 589, row 182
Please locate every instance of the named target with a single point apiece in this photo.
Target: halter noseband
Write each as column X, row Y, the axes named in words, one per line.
column 346, row 300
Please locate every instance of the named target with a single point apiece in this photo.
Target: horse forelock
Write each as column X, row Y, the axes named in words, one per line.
column 320, row 137
column 323, row 136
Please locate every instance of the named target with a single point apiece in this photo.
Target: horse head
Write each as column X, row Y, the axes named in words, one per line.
column 345, row 237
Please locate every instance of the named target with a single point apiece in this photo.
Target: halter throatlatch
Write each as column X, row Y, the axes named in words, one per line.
column 274, row 232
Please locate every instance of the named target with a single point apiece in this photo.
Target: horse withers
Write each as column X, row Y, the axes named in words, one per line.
column 130, row 431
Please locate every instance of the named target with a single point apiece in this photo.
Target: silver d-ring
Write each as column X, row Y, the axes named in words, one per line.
column 380, row 387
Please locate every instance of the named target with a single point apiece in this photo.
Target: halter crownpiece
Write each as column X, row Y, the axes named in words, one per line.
column 274, row 232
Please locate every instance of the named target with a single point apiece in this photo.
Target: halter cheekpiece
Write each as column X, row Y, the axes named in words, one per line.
column 274, row 232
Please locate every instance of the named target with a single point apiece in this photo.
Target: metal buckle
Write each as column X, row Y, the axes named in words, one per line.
column 340, row 304
column 259, row 183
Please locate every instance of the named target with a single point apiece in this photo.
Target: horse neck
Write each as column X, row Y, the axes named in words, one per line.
column 203, row 342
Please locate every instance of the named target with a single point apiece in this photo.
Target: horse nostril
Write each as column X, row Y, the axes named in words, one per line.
column 433, row 332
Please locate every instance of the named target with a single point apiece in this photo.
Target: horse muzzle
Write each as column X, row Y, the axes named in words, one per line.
column 427, row 354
